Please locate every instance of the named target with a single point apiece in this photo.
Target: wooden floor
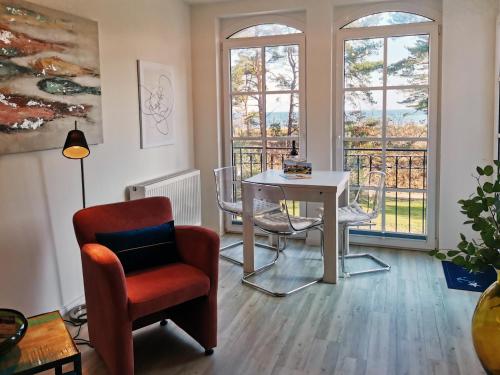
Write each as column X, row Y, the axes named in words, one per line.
column 405, row 321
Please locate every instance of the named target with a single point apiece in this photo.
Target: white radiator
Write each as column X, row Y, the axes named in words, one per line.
column 183, row 190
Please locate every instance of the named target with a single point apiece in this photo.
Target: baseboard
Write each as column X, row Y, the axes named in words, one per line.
column 75, row 302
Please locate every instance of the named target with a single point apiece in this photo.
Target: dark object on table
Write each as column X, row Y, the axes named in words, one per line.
column 46, row 345
column 13, row 326
column 118, row 303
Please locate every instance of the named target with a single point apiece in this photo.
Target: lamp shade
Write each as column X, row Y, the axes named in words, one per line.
column 76, row 146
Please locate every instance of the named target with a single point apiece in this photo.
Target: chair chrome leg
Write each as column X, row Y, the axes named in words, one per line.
column 346, row 255
column 274, row 293
column 343, row 245
column 383, row 266
column 245, row 278
column 239, row 243
column 228, row 258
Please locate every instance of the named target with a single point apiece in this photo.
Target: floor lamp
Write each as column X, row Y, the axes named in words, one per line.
column 76, row 147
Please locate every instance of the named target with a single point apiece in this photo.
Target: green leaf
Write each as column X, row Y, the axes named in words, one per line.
column 462, row 236
column 488, row 187
column 452, row 253
column 459, row 261
column 440, row 256
column 480, row 171
column 480, row 191
column 488, row 170
column 471, row 249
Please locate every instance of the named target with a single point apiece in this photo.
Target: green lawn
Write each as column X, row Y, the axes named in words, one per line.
column 413, row 224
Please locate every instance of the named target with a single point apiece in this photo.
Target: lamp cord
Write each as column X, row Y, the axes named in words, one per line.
column 76, row 338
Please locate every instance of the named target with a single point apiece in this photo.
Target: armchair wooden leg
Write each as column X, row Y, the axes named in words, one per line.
column 163, row 323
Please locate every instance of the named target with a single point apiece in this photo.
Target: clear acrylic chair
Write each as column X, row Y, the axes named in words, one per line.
column 281, row 224
column 228, row 187
column 354, row 215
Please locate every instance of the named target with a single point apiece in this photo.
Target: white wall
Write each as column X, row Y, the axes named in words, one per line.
column 467, row 91
column 468, row 83
column 40, row 265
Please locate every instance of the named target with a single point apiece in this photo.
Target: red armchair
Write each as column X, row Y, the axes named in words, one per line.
column 117, row 303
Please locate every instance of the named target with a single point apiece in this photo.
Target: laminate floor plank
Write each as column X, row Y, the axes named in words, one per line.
column 405, row 321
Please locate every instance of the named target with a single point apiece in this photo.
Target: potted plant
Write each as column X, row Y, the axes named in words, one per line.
column 483, row 213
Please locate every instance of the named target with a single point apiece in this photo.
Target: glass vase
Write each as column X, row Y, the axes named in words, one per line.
column 486, row 328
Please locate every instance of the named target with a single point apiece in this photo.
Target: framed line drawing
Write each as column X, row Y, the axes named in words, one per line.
column 157, row 104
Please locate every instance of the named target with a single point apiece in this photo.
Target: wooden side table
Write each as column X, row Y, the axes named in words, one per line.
column 46, row 345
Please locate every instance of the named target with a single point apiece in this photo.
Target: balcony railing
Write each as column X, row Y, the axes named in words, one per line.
column 250, row 161
column 406, row 182
column 406, row 185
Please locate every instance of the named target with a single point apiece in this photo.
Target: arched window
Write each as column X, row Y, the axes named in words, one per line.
column 264, row 97
column 386, row 19
column 266, row 29
column 386, row 115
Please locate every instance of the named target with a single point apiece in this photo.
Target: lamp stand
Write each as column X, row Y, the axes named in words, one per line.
column 78, row 314
column 83, row 183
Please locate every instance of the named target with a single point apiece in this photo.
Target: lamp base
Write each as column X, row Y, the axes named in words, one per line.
column 78, row 314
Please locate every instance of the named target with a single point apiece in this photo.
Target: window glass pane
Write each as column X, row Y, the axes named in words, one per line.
column 405, row 212
column 245, row 116
column 278, row 150
column 406, row 168
column 246, row 69
column 361, row 157
column 282, row 67
column 363, row 114
column 247, row 157
column 407, row 113
column 366, row 201
column 407, row 145
column 408, row 60
column 282, row 115
column 265, row 30
column 364, row 62
column 386, row 19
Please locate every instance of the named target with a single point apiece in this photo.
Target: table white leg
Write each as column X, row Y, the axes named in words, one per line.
column 248, row 229
column 344, row 201
column 331, row 238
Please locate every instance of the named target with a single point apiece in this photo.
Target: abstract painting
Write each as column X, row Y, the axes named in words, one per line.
column 157, row 105
column 49, row 77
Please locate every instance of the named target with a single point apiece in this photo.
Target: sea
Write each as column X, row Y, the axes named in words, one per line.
column 394, row 116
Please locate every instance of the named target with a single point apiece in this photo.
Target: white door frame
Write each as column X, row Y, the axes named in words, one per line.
column 260, row 42
column 432, row 29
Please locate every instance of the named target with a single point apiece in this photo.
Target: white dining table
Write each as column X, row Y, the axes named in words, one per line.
column 328, row 187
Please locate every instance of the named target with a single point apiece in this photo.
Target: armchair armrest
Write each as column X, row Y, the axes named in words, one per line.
column 103, row 277
column 199, row 247
column 110, row 328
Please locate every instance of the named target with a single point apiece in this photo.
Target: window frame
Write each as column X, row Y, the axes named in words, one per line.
column 346, row 26
column 261, row 42
column 432, row 29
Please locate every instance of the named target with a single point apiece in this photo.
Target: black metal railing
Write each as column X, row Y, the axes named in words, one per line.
column 250, row 161
column 406, row 178
column 406, row 183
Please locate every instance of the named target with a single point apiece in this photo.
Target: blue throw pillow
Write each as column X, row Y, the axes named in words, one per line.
column 142, row 248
